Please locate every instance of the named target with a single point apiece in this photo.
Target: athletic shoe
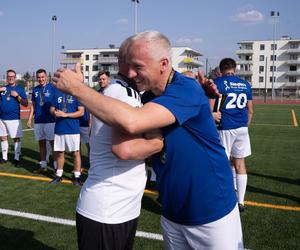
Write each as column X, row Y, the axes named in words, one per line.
column 76, row 181
column 17, row 163
column 2, row 161
column 40, row 170
column 56, row 180
column 242, row 207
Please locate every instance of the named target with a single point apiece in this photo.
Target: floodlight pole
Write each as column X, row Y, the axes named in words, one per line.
column 54, row 19
column 274, row 15
column 135, row 14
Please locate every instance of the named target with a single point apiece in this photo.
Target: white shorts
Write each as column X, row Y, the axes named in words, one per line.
column 84, row 135
column 13, row 128
column 236, row 142
column 72, row 142
column 2, row 129
column 44, row 131
column 225, row 233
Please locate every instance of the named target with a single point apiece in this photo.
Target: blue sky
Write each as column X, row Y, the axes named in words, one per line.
column 212, row 27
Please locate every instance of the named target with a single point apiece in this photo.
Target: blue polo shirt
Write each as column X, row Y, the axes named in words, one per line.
column 194, row 178
column 235, row 109
column 10, row 105
column 41, row 99
column 64, row 126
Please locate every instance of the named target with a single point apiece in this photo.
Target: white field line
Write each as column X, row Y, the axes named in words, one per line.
column 61, row 221
column 27, row 129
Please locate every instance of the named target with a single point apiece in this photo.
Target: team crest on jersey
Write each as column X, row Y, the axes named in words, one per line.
column 70, row 99
column 226, row 85
column 47, row 94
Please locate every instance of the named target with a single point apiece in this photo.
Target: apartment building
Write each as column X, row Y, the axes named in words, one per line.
column 266, row 62
column 93, row 60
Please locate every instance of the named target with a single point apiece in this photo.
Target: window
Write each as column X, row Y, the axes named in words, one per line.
column 95, row 68
column 105, row 67
column 261, row 79
column 87, row 57
column 292, row 79
column 273, row 58
column 86, row 79
column 261, row 69
column 95, row 57
column 248, row 58
column 248, row 79
column 271, row 79
column 87, row 68
column 262, row 47
column 293, row 57
column 272, row 68
column 273, row 46
column 261, row 58
column 294, row 46
column 95, row 78
column 293, row 68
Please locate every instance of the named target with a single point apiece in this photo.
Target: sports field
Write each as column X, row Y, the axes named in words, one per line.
column 37, row 215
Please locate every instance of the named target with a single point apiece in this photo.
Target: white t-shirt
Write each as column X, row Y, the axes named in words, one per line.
column 114, row 188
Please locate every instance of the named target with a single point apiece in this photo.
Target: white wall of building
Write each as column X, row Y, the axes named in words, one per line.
column 256, row 62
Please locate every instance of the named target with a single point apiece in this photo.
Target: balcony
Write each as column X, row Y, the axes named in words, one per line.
column 244, row 52
column 293, row 51
column 244, row 72
column 244, row 62
column 293, row 73
column 108, row 60
column 192, row 61
column 71, row 60
column 293, row 62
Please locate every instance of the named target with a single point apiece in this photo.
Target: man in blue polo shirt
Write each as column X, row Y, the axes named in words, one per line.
column 13, row 96
column 199, row 206
column 67, row 111
column 44, row 122
column 236, row 115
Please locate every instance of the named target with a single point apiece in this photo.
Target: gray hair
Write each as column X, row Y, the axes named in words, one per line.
column 159, row 44
column 123, row 50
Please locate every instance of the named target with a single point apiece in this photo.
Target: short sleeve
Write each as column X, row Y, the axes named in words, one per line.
column 183, row 98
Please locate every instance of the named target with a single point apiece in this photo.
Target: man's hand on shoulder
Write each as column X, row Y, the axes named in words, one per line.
column 208, row 85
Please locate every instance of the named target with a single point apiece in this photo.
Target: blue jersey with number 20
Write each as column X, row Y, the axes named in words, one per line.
column 235, row 110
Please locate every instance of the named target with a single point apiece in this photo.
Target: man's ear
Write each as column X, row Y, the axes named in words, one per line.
column 164, row 64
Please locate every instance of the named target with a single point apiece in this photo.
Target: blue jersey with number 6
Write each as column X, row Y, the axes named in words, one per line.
column 235, row 110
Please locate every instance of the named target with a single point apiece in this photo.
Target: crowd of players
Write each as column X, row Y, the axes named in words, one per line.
column 175, row 125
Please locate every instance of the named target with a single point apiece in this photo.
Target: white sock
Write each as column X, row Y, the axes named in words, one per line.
column 153, row 175
column 59, row 172
column 17, row 146
column 4, row 147
column 77, row 174
column 234, row 176
column 241, row 180
column 43, row 164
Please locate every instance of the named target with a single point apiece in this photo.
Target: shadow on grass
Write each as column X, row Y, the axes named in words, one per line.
column 271, row 193
column 277, row 178
column 30, row 162
column 11, row 239
column 149, row 204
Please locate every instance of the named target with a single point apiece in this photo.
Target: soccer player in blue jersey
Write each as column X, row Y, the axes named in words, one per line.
column 13, row 96
column 44, row 121
column 67, row 111
column 199, row 206
column 236, row 115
